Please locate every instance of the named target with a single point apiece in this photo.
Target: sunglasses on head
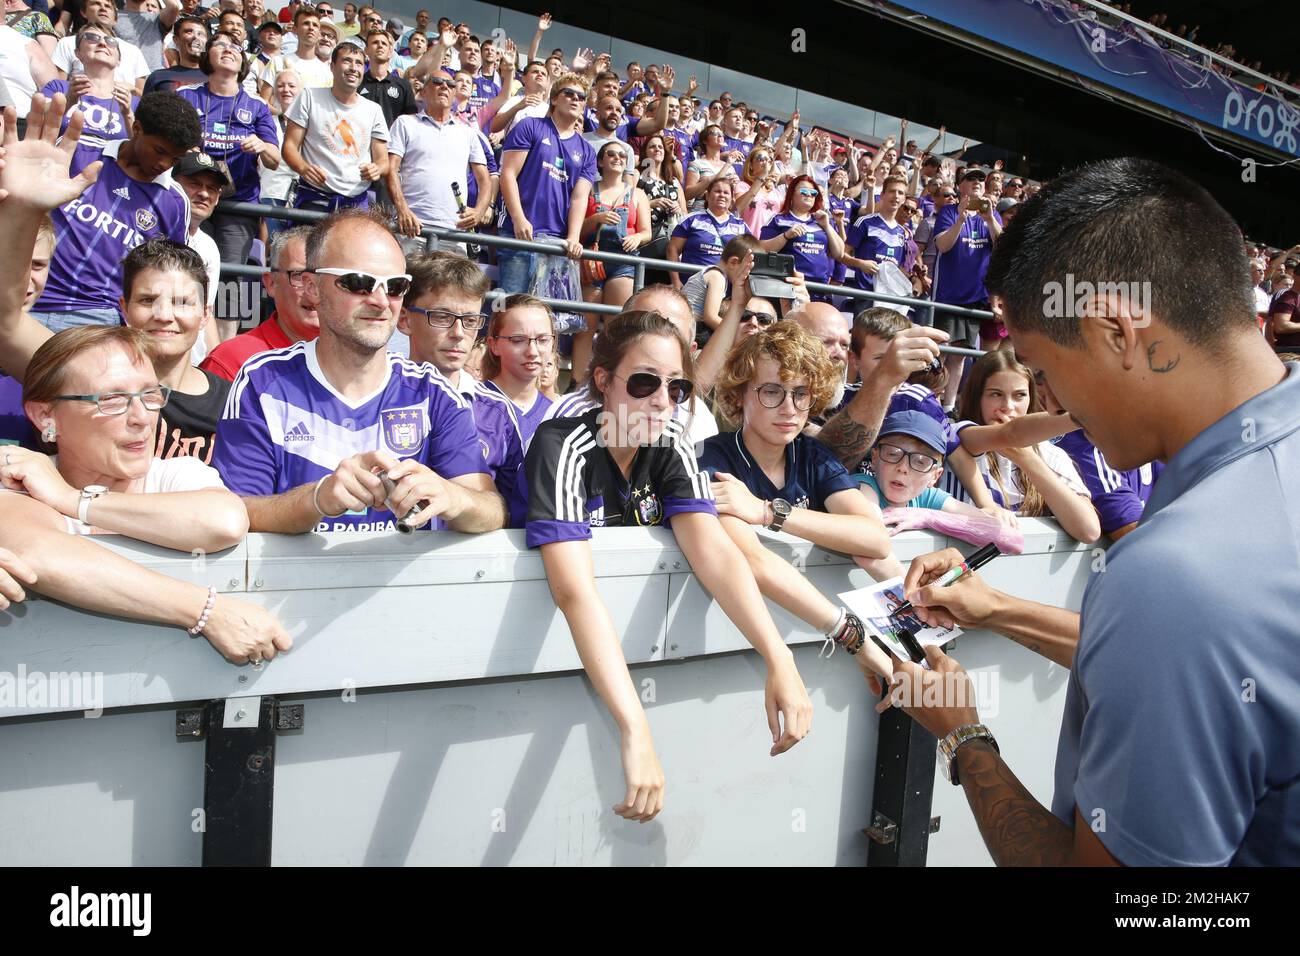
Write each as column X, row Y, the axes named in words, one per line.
column 364, row 283
column 643, row 385
column 762, row 318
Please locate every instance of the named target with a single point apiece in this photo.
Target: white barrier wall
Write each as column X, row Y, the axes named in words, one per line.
column 445, row 723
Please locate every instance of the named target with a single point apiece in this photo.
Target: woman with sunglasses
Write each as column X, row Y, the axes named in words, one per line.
column 708, row 166
column 759, row 194
column 804, row 230
column 107, row 106
column 520, row 337
column 238, row 129
column 95, row 392
column 701, row 236
column 627, row 463
column 769, row 472
column 618, row 220
column 666, row 199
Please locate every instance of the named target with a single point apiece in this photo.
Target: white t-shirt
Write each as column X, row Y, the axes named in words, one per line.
column 16, row 69
column 1011, row 487
column 314, row 73
column 130, row 67
column 206, row 247
column 537, row 110
column 338, row 137
column 165, row 475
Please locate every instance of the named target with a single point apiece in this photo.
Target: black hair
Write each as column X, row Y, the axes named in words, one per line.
column 165, row 256
column 245, row 61
column 171, row 117
column 185, row 18
column 1124, row 221
column 341, row 48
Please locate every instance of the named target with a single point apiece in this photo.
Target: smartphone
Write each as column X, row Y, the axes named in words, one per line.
column 768, row 276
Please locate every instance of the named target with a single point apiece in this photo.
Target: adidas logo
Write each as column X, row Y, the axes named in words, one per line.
column 121, row 191
column 299, row 433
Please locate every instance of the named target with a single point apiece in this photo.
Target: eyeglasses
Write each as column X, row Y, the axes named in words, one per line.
column 947, row 195
column 543, row 342
column 910, row 210
column 116, row 403
column 439, row 81
column 915, row 460
column 573, row 94
column 90, row 36
column 364, row 283
column 808, row 192
column 443, row 319
column 772, row 395
column 762, row 318
column 643, row 385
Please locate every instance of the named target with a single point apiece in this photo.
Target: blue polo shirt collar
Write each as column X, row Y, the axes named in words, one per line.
column 1263, row 420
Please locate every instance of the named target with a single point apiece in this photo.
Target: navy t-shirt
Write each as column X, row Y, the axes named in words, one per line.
column 812, row 472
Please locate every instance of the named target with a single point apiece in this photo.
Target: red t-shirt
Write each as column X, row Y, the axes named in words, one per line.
column 226, row 359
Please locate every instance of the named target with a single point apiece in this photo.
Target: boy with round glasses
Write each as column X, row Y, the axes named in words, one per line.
column 906, row 463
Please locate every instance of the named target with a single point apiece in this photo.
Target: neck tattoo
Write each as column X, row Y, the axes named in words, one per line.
column 1151, row 360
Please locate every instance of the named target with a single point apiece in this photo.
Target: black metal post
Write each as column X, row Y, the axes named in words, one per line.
column 239, row 784
column 903, row 792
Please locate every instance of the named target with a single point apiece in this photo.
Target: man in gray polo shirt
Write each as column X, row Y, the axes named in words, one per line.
column 428, row 152
column 1179, row 739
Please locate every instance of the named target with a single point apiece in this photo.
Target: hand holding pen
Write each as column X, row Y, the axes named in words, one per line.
column 965, row 602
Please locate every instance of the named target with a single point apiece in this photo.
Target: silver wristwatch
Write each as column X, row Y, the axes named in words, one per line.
column 780, row 511
column 949, row 745
column 88, row 494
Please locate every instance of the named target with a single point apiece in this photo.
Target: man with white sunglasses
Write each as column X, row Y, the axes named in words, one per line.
column 311, row 428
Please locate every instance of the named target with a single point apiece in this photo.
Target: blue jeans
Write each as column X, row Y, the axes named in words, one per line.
column 309, row 198
column 58, row 321
column 516, row 269
column 275, row 225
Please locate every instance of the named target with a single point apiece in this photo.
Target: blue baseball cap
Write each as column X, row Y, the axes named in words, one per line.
column 918, row 425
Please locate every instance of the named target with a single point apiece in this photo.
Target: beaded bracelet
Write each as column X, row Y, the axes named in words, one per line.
column 197, row 629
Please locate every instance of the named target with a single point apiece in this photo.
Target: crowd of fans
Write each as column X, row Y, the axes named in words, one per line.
column 384, row 387
column 1192, row 34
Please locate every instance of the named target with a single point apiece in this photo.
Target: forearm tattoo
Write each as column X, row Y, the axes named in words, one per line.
column 848, row 439
column 1017, row 829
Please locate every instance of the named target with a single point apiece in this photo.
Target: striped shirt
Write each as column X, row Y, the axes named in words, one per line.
column 285, row 426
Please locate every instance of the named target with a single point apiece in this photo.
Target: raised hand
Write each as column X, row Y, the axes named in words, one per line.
column 544, row 22
column 35, row 173
column 667, row 76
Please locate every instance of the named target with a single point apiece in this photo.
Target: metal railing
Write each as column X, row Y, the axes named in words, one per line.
column 433, row 235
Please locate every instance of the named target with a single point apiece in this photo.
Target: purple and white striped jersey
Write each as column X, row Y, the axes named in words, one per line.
column 97, row 229
column 285, row 426
column 1119, row 496
column 501, row 443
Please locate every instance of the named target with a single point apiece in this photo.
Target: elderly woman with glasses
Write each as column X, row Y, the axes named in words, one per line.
column 94, row 394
